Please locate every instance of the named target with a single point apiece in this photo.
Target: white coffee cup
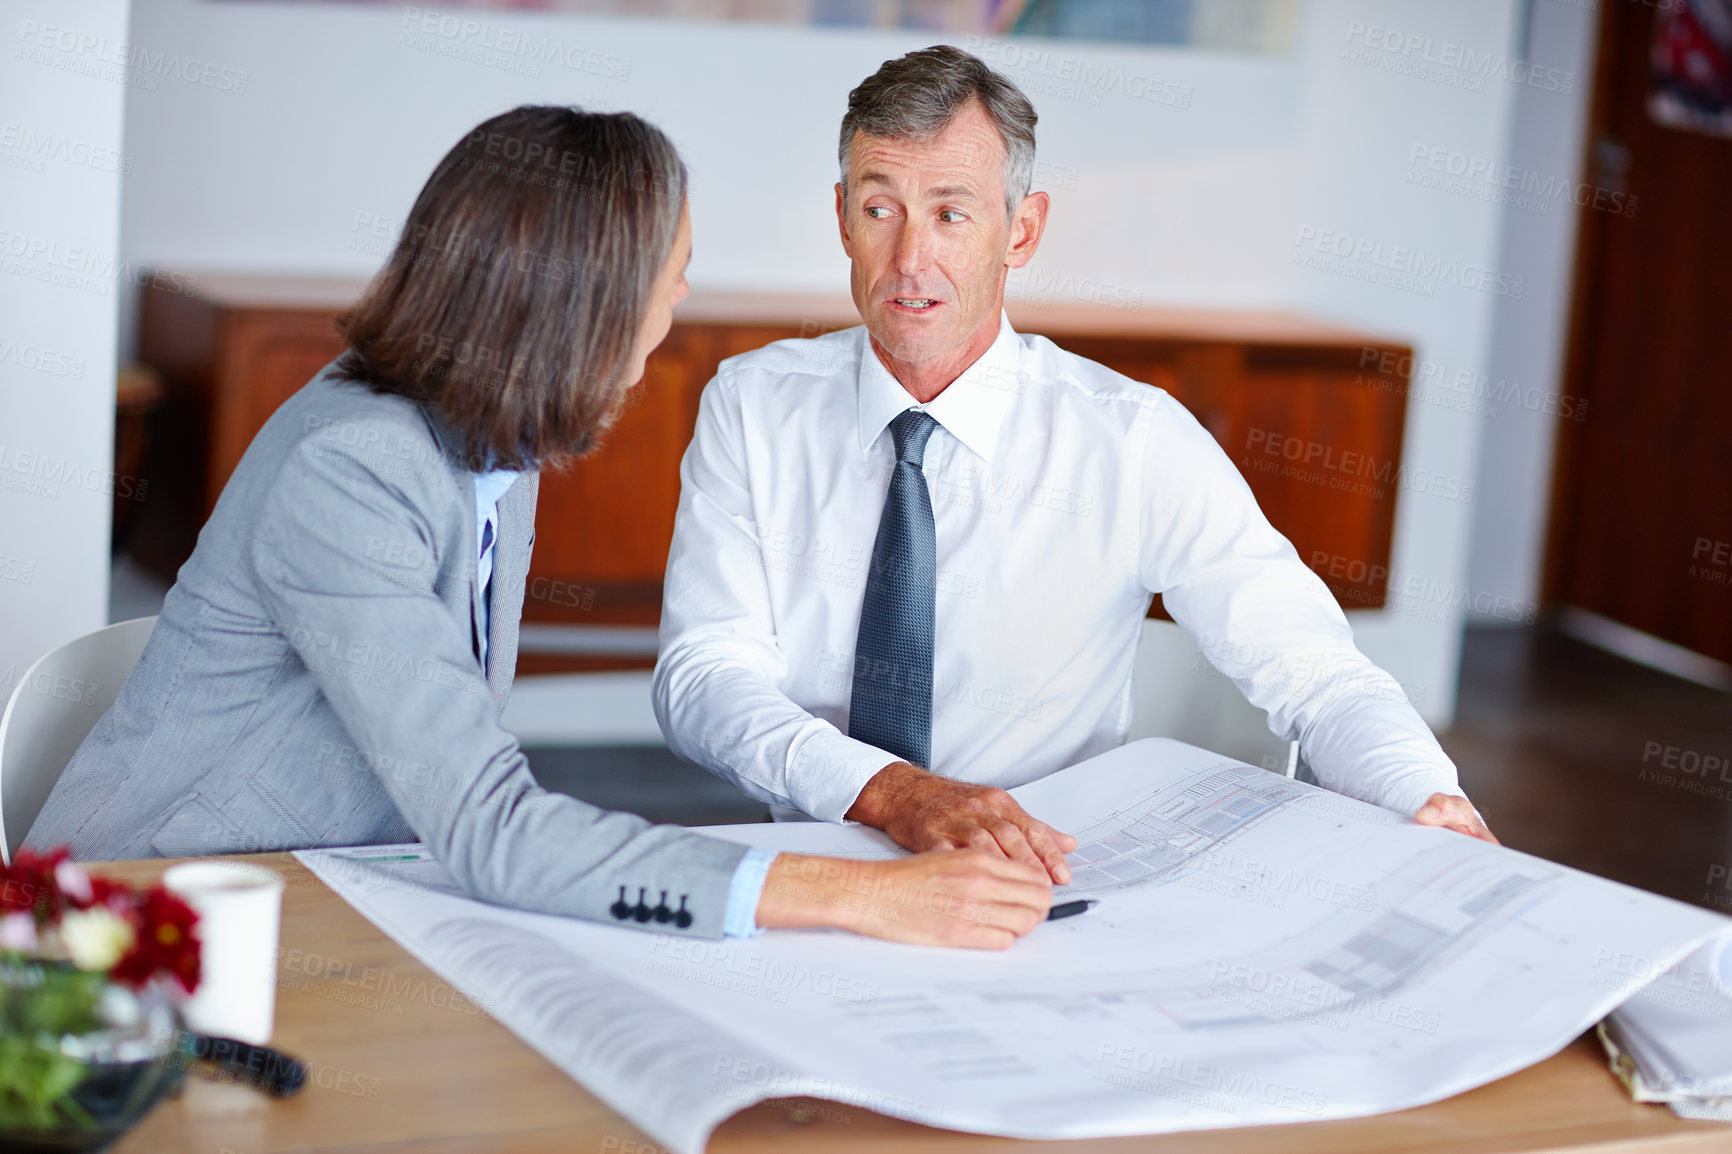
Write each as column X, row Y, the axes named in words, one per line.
column 239, row 908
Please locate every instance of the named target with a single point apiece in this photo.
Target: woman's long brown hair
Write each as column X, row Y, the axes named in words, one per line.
column 512, row 301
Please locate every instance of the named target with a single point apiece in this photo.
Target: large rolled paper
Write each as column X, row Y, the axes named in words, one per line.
column 239, row 910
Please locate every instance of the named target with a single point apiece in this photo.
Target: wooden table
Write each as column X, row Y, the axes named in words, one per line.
column 397, row 1062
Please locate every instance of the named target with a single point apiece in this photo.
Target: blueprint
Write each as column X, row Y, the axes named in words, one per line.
column 1263, row 951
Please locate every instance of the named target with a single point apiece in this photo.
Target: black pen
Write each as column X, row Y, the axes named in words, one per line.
column 260, row 1067
column 1070, row 909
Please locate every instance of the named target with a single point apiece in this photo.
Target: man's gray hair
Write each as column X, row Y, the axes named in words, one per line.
column 916, row 96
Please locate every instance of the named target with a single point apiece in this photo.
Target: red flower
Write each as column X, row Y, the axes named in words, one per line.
column 108, row 892
column 17, row 893
column 28, row 884
column 165, row 937
column 166, row 942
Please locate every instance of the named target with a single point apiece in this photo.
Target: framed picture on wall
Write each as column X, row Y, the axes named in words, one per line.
column 1255, row 26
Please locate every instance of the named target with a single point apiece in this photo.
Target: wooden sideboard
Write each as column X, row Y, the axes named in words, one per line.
column 1289, row 398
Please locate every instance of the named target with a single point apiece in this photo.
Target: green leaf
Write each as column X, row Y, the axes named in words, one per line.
column 39, row 1004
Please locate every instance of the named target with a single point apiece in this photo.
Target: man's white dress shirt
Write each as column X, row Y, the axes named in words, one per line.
column 1064, row 495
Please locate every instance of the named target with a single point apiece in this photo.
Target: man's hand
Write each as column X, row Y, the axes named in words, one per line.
column 947, row 898
column 1452, row 812
column 924, row 811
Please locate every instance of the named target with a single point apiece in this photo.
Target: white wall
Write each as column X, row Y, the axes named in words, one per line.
column 62, row 96
column 1524, row 376
column 1191, row 178
column 343, row 115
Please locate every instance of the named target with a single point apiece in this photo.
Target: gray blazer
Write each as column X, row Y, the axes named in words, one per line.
column 313, row 681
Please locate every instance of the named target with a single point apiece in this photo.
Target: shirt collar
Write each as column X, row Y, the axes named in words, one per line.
column 972, row 408
column 491, row 486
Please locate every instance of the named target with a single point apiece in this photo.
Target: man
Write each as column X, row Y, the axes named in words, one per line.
column 912, row 561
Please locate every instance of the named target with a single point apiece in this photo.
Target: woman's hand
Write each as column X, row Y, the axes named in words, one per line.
column 956, row 897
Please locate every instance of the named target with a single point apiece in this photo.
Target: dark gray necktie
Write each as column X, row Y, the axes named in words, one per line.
column 892, row 703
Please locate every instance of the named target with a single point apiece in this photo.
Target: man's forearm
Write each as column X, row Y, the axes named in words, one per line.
column 1399, row 770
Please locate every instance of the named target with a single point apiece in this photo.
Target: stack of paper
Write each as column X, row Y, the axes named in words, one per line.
column 1672, row 1041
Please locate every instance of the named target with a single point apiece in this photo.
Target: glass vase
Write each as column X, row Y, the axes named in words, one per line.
column 81, row 1059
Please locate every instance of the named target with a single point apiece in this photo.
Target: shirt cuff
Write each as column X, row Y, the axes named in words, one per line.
column 830, row 770
column 744, row 891
column 1408, row 794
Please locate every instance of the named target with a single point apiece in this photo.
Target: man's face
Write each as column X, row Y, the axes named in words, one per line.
column 925, row 227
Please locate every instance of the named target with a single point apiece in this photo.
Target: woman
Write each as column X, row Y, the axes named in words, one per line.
column 330, row 666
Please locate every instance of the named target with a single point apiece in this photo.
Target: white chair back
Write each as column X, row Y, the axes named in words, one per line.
column 52, row 709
